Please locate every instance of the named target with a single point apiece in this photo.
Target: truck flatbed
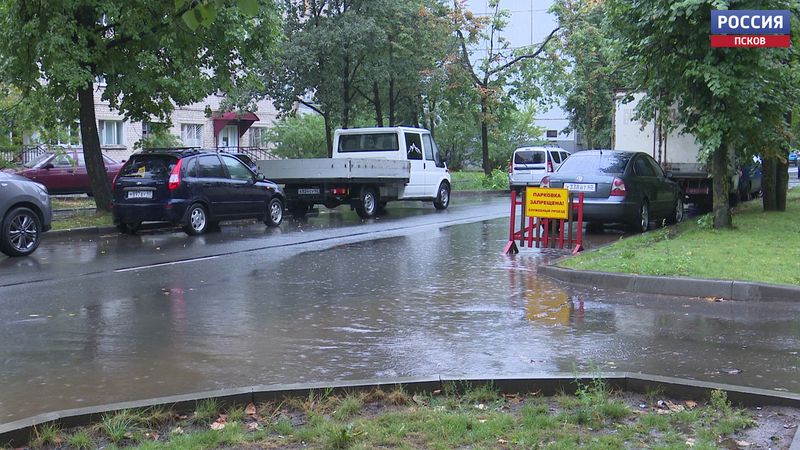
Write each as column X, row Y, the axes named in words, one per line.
column 353, row 170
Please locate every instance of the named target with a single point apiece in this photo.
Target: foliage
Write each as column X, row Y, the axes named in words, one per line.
column 150, row 60
column 159, row 137
column 593, row 74
column 726, row 98
column 299, row 136
column 498, row 179
column 491, row 75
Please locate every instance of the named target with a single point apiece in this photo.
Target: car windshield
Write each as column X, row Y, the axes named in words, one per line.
column 33, row 163
column 149, row 166
column 595, row 163
column 529, row 157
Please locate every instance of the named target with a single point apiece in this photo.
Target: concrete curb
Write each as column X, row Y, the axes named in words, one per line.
column 491, row 193
column 20, row 432
column 86, row 231
column 684, row 287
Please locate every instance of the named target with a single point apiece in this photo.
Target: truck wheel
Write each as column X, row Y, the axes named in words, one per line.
column 643, row 221
column 298, row 210
column 274, row 212
column 196, row 220
column 442, row 200
column 21, row 230
column 368, row 204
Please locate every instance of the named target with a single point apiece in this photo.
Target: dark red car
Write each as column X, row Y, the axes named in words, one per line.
column 64, row 172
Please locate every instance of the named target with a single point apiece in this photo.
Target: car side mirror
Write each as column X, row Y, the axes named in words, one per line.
column 48, row 166
column 260, row 177
column 669, row 174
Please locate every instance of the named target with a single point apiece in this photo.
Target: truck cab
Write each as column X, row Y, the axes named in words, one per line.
column 428, row 170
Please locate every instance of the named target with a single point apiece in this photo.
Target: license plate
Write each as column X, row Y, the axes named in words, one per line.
column 308, row 191
column 140, row 194
column 580, row 187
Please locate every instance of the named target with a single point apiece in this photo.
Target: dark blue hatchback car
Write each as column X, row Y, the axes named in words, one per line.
column 193, row 188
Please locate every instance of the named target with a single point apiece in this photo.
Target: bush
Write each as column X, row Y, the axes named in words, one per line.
column 301, row 136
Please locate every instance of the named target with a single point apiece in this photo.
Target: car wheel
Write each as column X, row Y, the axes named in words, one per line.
column 643, row 222
column 442, row 197
column 677, row 212
column 196, row 220
column 21, row 232
column 274, row 212
column 744, row 194
column 368, row 204
column 129, row 228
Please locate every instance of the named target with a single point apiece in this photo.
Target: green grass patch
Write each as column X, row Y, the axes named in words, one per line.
column 592, row 418
column 72, row 202
column 760, row 247
column 82, row 219
column 478, row 181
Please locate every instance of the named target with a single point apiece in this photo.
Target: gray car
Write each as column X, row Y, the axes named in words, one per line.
column 25, row 212
column 620, row 187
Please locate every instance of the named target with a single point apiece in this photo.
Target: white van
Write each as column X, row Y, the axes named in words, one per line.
column 529, row 164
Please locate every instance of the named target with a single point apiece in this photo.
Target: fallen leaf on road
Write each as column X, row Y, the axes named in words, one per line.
column 502, row 441
column 480, row 406
column 691, row 404
column 250, row 410
column 217, row 426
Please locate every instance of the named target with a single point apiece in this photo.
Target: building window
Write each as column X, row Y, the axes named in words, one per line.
column 192, row 134
column 110, row 132
column 258, row 137
column 552, row 133
column 146, row 129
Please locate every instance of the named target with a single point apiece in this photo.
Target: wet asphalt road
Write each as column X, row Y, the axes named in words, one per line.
column 115, row 318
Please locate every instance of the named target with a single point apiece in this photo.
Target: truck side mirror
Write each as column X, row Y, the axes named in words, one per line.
column 260, row 177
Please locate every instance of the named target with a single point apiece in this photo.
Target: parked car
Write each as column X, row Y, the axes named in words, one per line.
column 620, row 187
column 25, row 213
column 750, row 179
column 529, row 164
column 193, row 188
column 64, row 172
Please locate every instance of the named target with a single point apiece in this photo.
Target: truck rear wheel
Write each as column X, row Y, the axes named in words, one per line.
column 442, row 200
column 367, row 205
column 298, row 209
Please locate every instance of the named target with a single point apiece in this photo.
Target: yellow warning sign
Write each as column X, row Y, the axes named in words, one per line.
column 547, row 203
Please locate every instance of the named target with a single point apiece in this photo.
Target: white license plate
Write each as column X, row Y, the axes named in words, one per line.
column 580, row 187
column 308, row 191
column 140, row 194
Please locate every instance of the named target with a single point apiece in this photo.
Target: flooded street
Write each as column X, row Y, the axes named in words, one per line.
column 415, row 296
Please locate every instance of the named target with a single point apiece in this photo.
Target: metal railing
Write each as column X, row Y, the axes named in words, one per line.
column 24, row 154
column 255, row 153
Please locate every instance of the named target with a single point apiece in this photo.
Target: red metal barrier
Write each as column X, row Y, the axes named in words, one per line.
column 545, row 233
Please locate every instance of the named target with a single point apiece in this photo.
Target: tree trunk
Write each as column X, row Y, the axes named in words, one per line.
column 95, row 166
column 487, row 169
column 719, row 175
column 781, row 184
column 769, row 184
column 376, row 95
column 392, row 101
column 328, row 134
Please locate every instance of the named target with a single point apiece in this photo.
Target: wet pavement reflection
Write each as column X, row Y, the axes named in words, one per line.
column 430, row 300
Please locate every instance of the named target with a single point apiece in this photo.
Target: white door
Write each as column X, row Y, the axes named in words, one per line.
column 228, row 137
column 415, row 187
column 434, row 169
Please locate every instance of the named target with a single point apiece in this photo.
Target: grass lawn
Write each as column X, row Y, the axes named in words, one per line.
column 761, row 247
column 477, row 181
column 81, row 219
column 479, row 417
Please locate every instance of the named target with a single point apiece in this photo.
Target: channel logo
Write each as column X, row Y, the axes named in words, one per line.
column 750, row 28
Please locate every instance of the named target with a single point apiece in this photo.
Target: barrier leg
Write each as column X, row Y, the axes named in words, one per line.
column 511, row 246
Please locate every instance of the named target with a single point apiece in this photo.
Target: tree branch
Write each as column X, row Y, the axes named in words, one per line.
column 527, row 56
column 465, row 62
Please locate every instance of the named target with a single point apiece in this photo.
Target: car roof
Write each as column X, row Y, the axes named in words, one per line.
column 541, row 148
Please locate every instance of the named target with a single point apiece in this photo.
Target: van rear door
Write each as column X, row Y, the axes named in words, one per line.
column 529, row 166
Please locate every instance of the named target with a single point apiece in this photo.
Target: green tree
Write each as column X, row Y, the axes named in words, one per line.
column 728, row 99
column 592, row 74
column 492, row 74
column 299, row 136
column 153, row 55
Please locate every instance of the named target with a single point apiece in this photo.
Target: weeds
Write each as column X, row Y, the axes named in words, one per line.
column 81, row 440
column 46, row 434
column 117, row 427
column 206, row 411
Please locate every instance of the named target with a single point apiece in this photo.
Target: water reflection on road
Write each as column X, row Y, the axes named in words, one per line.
column 433, row 301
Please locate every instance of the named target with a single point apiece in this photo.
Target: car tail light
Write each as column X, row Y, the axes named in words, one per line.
column 175, row 176
column 510, row 166
column 339, row 191
column 545, row 182
column 550, row 166
column 618, row 188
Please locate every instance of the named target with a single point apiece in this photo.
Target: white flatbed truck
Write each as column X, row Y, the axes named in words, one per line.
column 369, row 168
